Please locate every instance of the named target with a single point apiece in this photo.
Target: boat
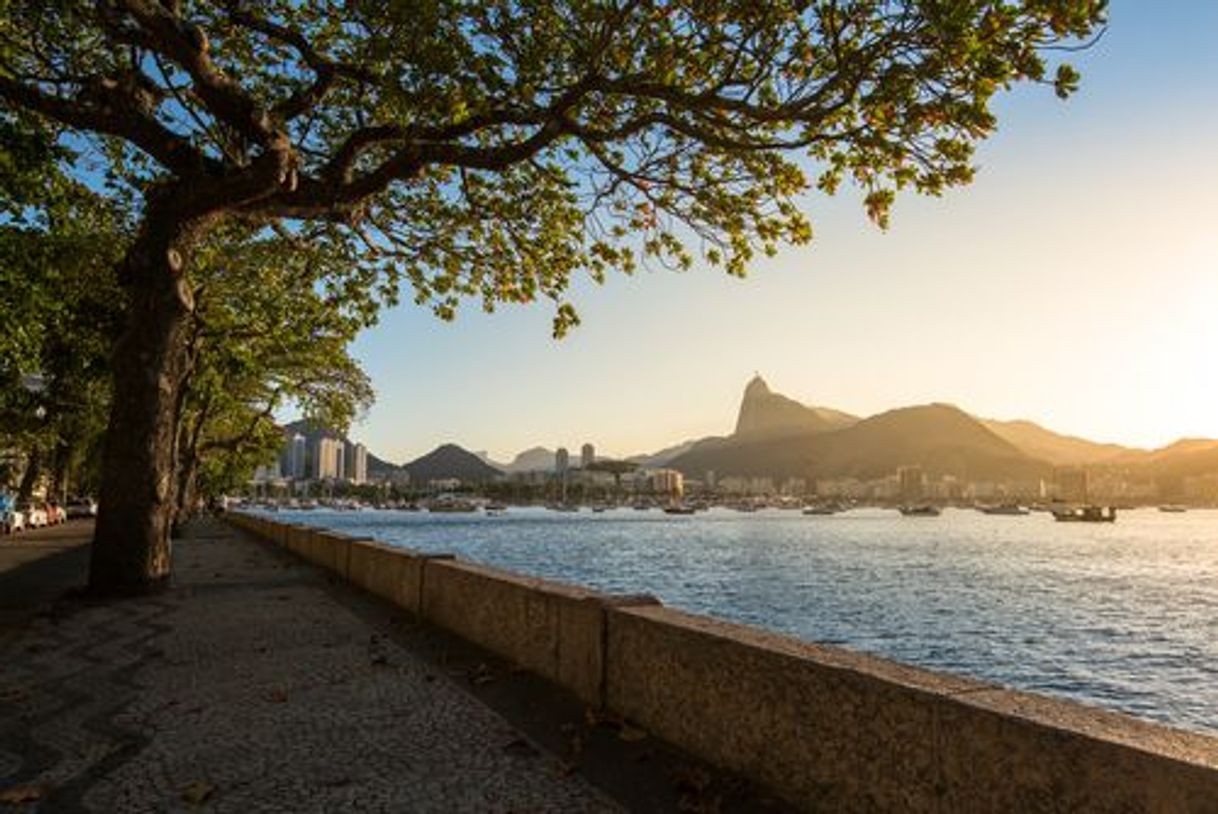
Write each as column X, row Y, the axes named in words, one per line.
column 919, row 511
column 1175, row 508
column 1004, row 508
column 678, row 508
column 821, row 509
column 450, row 505
column 1085, row 514
column 495, row 508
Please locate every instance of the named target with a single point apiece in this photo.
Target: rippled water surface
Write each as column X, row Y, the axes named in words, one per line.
column 1124, row 615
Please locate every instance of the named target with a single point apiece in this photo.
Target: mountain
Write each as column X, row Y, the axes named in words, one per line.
column 1057, row 449
column 764, row 413
column 450, row 461
column 536, row 459
column 940, row 438
column 661, row 457
column 380, row 469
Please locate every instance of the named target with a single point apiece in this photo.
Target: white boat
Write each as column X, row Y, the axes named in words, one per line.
column 920, row 511
column 1004, row 508
column 1085, row 514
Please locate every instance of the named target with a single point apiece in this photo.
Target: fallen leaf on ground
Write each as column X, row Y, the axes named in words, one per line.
column 631, row 734
column 519, row 746
column 481, row 675
column 197, row 793
column 16, row 795
column 277, row 696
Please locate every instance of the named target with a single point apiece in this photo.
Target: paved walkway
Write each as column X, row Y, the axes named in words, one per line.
column 251, row 685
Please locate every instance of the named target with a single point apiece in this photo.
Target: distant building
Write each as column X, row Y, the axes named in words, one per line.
column 1070, row 484
column 562, row 460
column 911, row 483
column 356, row 463
column 327, row 459
column 668, row 482
column 587, row 455
column 267, row 473
column 293, row 458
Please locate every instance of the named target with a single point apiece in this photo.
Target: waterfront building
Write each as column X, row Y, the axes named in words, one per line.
column 562, row 460
column 911, row 483
column 355, row 463
column 587, row 455
column 293, row 458
column 794, row 487
column 327, row 458
column 1070, row 484
column 668, row 482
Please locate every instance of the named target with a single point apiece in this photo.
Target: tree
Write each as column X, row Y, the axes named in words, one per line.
column 488, row 149
column 271, row 327
column 59, row 307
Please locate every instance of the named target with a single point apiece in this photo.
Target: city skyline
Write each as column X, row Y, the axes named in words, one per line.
column 1068, row 285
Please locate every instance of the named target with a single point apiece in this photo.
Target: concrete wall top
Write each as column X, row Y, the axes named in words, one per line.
column 1063, row 715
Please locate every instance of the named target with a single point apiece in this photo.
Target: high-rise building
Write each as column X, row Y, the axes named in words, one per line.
column 355, row 463
column 340, row 460
column 587, row 455
column 668, row 482
column 562, row 460
column 911, row 483
column 292, row 458
column 327, row 458
column 1070, row 484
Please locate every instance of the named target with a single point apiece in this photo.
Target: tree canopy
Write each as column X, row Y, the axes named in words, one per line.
column 494, row 148
column 483, row 149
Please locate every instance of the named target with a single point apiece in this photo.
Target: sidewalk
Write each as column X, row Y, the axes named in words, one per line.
column 257, row 684
column 247, row 687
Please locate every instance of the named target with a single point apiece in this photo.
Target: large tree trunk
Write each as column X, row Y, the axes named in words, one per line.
column 187, row 493
column 61, row 463
column 33, row 469
column 131, row 550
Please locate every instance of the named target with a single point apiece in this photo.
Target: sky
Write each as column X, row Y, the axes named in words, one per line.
column 1073, row 283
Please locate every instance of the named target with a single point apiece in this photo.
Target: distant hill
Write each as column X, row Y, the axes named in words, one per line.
column 450, row 461
column 1057, row 449
column 380, row 469
column 764, row 413
column 660, row 458
column 536, row 459
column 940, row 438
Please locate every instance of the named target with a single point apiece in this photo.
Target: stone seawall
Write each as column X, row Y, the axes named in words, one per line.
column 823, row 727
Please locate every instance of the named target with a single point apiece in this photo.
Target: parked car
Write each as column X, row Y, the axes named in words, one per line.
column 11, row 520
column 81, row 507
column 56, row 514
column 35, row 515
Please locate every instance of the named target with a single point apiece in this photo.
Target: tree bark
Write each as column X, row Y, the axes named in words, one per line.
column 185, row 509
column 131, row 550
column 33, row 469
column 61, row 462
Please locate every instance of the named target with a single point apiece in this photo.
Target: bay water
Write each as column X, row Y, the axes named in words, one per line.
column 1123, row 615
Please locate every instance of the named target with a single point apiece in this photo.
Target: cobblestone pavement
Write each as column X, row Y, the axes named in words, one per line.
column 248, row 687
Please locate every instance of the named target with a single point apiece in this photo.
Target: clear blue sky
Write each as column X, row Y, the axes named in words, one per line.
column 1074, row 283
